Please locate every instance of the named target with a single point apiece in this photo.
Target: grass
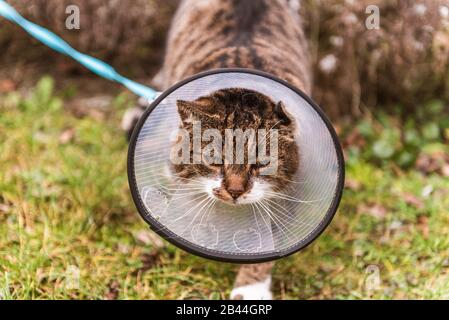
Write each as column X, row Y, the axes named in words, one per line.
column 68, row 227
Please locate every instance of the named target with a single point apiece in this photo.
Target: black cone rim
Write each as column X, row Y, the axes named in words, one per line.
column 213, row 254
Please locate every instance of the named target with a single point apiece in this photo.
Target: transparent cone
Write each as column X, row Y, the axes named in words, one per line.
column 275, row 227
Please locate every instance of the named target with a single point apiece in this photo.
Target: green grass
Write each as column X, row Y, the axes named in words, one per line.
column 65, row 208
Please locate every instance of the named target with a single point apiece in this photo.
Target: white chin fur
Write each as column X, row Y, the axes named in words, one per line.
column 210, row 184
column 257, row 193
column 255, row 291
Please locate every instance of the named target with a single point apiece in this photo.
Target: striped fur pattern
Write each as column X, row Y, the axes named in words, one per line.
column 258, row 34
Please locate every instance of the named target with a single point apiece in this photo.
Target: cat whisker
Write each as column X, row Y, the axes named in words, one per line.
column 200, row 211
column 181, row 205
column 273, row 218
column 286, row 213
column 260, row 206
column 192, row 208
column 293, row 199
column 281, row 215
column 208, row 210
column 263, row 218
column 185, row 195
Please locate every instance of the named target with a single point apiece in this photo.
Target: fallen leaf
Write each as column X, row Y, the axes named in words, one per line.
column 413, row 200
column 4, row 208
column 445, row 170
column 40, row 136
column 352, row 184
column 445, row 263
column 438, row 162
column 426, row 164
column 113, row 290
column 395, row 225
column 95, row 107
column 427, row 191
column 376, row 210
column 97, row 115
column 149, row 260
column 354, row 138
column 67, row 136
column 423, row 226
column 149, row 238
column 123, row 248
column 7, row 85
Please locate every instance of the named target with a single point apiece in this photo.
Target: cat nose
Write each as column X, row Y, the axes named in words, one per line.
column 235, row 185
column 235, row 193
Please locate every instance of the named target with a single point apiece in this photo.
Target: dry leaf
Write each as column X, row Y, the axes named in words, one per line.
column 376, row 210
column 395, row 225
column 7, row 85
column 149, row 238
column 426, row 164
column 113, row 290
column 67, row 136
column 423, row 225
column 352, row 184
column 445, row 170
column 354, row 138
column 436, row 162
column 413, row 201
column 427, row 191
column 149, row 260
column 94, row 107
column 4, row 208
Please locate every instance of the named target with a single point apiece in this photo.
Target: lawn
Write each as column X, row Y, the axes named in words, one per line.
column 69, row 229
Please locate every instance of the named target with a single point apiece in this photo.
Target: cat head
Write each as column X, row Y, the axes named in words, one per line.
column 234, row 170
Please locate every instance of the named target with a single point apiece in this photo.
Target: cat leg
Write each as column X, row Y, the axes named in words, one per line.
column 132, row 116
column 253, row 282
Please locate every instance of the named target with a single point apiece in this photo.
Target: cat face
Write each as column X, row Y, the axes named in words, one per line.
column 224, row 175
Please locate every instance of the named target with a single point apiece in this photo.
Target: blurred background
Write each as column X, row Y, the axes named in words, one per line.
column 68, row 227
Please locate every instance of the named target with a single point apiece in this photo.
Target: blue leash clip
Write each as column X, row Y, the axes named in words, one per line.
column 53, row 41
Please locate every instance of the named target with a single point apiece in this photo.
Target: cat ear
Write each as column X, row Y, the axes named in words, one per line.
column 187, row 109
column 282, row 114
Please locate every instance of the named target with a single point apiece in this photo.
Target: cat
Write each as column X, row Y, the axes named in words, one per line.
column 244, row 109
column 259, row 34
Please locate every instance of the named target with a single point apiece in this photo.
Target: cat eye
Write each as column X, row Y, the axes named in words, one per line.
column 214, row 167
column 260, row 165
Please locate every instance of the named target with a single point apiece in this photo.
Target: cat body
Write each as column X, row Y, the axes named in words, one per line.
column 258, row 34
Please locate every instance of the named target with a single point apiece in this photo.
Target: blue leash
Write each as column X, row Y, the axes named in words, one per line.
column 56, row 43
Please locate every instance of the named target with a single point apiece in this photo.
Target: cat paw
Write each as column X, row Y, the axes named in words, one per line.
column 254, row 291
column 132, row 116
